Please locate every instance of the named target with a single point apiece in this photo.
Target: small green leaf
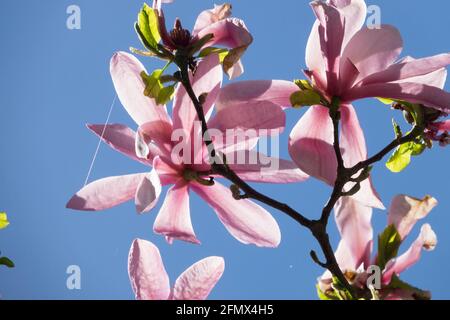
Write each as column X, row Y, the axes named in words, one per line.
column 165, row 94
column 401, row 157
column 388, row 244
column 305, row 98
column 152, row 83
column 4, row 261
column 417, row 293
column 3, row 220
column 397, row 130
column 147, row 27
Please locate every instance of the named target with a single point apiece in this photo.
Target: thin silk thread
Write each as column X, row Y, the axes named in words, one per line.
column 100, row 141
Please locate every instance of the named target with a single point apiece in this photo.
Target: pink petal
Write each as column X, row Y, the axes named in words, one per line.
column 371, row 51
column 310, row 145
column 174, row 217
column 229, row 32
column 118, row 137
column 354, row 224
column 435, row 79
column 207, row 79
column 154, row 135
column 148, row 276
column 442, row 126
column 106, row 193
column 256, row 167
column 409, row 69
column 260, row 116
column 315, row 60
column 412, row 92
column 427, row 240
column 168, row 173
column 353, row 148
column 199, row 279
column 331, row 36
column 147, row 193
column 406, row 211
column 208, row 17
column 246, row 221
column 354, row 13
column 126, row 74
column 252, row 92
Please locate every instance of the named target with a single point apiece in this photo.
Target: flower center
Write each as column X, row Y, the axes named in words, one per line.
column 190, row 175
column 179, row 36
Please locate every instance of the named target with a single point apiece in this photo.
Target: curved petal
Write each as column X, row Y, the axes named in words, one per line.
column 354, row 224
column 155, row 135
column 409, row 69
column 106, row 193
column 263, row 115
column 354, row 13
column 174, row 218
column 311, row 145
column 405, row 211
column 147, row 193
column 435, row 79
column 245, row 220
column 120, row 138
column 257, row 167
column 208, row 17
column 427, row 240
column 354, row 150
column 168, row 173
column 252, row 92
column 442, row 126
column 199, row 279
column 148, row 276
column 370, row 51
column 412, row 92
column 126, row 75
column 207, row 79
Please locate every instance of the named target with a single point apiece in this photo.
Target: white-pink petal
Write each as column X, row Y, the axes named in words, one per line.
column 148, row 192
column 198, row 280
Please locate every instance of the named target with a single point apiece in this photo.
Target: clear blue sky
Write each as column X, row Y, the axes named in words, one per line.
column 53, row 81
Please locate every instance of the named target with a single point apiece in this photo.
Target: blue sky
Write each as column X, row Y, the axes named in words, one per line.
column 55, row 80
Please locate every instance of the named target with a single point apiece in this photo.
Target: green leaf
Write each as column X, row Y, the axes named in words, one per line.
column 388, row 244
column 305, row 98
column 4, row 261
column 401, row 157
column 3, row 220
column 165, row 94
column 152, row 83
column 340, row 291
column 147, row 27
column 397, row 130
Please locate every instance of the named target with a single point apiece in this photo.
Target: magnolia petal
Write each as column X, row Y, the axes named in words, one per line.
column 412, row 92
column 354, row 224
column 253, row 92
column 263, row 115
column 354, row 150
column 174, row 217
column 147, row 193
column 427, row 240
column 442, row 126
column 257, row 167
column 207, row 79
column 311, row 145
column 405, row 211
column 168, row 173
column 409, row 69
column 371, row 51
column 246, row 221
column 106, row 193
column 148, row 276
column 126, row 75
column 208, row 17
column 198, row 280
column 120, row 138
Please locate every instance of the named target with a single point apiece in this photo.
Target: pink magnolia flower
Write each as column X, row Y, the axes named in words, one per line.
column 150, row 281
column 350, row 62
column 245, row 220
column 354, row 253
column 225, row 30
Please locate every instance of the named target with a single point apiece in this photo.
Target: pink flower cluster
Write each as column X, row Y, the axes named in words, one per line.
column 345, row 62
